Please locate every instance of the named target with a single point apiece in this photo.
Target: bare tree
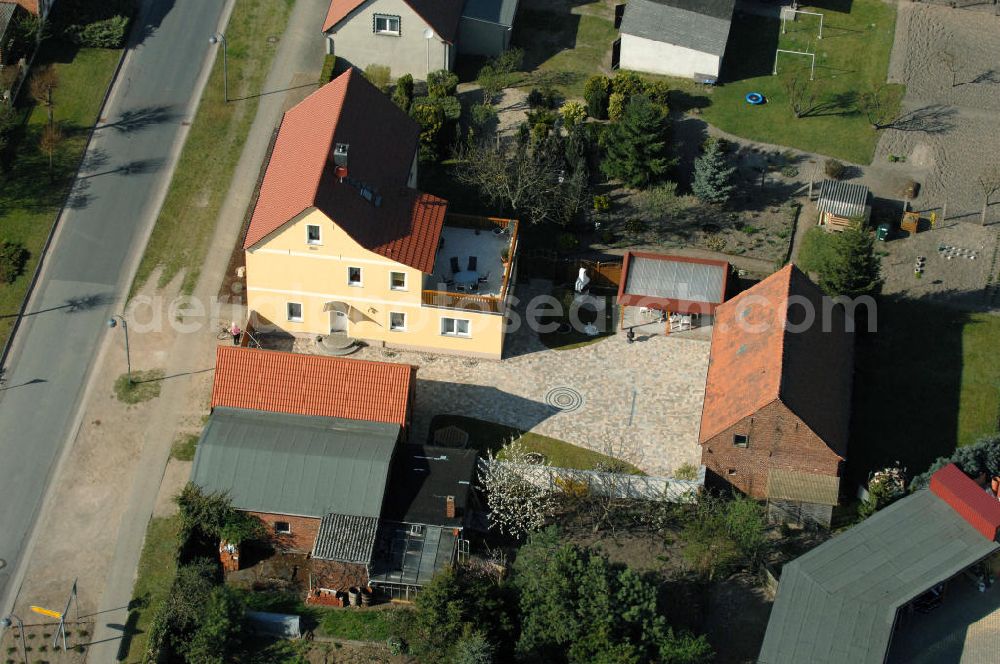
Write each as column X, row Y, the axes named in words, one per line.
column 950, row 61
column 989, row 184
column 49, row 142
column 877, row 106
column 43, row 81
column 801, row 95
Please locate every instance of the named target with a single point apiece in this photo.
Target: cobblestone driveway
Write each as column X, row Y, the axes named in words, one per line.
column 643, row 399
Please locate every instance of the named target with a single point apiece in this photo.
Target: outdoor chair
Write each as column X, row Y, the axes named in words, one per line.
column 455, row 268
column 460, row 288
column 473, row 261
column 484, row 278
column 474, row 287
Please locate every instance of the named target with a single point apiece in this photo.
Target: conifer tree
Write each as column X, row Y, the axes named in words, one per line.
column 635, row 147
column 713, row 177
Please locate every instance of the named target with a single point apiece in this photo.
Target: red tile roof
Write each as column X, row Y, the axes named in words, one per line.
column 312, row 385
column 382, row 141
column 441, row 15
column 756, row 359
column 968, row 499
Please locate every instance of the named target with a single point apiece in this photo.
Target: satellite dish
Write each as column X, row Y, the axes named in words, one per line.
column 428, row 33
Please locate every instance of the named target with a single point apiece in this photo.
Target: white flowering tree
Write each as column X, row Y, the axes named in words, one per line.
column 517, row 504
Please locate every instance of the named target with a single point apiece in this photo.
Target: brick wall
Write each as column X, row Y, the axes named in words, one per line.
column 303, row 531
column 30, row 5
column 334, row 575
column 777, row 439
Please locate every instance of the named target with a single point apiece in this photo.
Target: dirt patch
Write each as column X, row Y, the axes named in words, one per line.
column 738, row 610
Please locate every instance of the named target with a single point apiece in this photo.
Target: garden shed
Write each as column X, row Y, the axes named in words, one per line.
column 841, row 204
column 675, row 37
column 658, row 285
column 486, row 26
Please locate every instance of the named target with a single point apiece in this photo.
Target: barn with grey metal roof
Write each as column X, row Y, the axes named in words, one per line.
column 296, row 464
column 843, row 199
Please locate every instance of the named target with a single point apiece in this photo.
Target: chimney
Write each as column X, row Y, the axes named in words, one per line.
column 340, row 154
column 449, row 507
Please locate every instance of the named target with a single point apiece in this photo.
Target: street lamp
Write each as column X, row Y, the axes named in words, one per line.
column 113, row 323
column 215, row 39
column 6, row 622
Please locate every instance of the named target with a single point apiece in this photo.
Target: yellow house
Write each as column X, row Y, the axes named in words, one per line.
column 341, row 243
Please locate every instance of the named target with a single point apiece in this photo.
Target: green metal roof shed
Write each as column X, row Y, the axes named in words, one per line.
column 838, row 603
column 296, row 464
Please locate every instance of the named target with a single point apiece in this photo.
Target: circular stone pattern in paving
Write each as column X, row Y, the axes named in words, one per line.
column 565, row 399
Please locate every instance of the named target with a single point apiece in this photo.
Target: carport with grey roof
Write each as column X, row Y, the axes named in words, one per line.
column 295, row 464
column 838, row 603
column 676, row 284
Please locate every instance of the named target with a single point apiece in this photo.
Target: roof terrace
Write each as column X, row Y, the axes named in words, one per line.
column 473, row 264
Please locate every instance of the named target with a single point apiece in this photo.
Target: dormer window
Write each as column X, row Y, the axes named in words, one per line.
column 386, row 25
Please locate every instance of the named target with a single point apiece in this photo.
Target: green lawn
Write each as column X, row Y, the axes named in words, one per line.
column 490, row 436
column 852, row 57
column 29, row 198
column 566, row 49
column 361, row 625
column 157, row 568
column 184, row 229
column 576, row 337
column 928, row 380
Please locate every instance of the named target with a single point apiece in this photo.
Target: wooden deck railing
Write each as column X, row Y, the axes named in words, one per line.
column 489, row 304
column 474, row 221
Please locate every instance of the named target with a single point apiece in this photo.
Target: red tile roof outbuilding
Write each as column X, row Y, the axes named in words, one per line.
column 313, row 385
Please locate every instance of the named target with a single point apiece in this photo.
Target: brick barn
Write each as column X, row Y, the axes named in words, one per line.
column 776, row 414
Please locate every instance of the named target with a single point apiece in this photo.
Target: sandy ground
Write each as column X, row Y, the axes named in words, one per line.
column 953, row 134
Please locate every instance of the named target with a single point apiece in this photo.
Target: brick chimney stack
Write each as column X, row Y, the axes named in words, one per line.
column 449, row 507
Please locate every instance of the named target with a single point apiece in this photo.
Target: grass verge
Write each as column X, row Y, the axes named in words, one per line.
column 361, row 624
column 184, row 447
column 142, row 386
column 30, row 194
column 928, row 380
column 157, row 568
column 851, row 59
column 184, row 229
column 490, row 436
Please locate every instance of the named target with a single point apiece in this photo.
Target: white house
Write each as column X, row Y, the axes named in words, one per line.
column 416, row 36
column 675, row 37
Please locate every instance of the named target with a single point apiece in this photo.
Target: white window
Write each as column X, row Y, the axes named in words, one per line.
column 312, row 234
column 295, row 312
column 354, row 276
column 397, row 280
column 386, row 25
column 455, row 327
column 282, row 527
column 397, row 321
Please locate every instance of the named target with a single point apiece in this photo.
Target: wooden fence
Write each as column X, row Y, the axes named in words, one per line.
column 618, row 485
column 538, row 265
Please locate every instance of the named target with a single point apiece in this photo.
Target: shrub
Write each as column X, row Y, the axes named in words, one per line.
column 596, row 92
column 834, row 169
column 616, row 106
column 634, row 226
column 687, row 471
column 109, row 33
column 402, row 95
column 450, row 106
column 602, row 203
column 627, row 83
column 379, row 75
column 789, row 171
column 430, row 117
column 567, row 242
column 329, row 65
column 481, row 116
column 657, row 91
column 13, row 257
column 542, row 98
column 573, row 113
column 441, row 83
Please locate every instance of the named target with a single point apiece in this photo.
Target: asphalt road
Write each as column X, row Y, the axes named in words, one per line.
column 117, row 193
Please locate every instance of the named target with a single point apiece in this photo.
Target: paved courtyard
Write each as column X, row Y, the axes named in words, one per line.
column 640, row 401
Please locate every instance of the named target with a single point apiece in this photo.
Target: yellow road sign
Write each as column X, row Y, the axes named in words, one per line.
column 47, row 612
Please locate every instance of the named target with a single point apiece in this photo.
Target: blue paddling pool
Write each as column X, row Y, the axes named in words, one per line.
column 755, row 98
